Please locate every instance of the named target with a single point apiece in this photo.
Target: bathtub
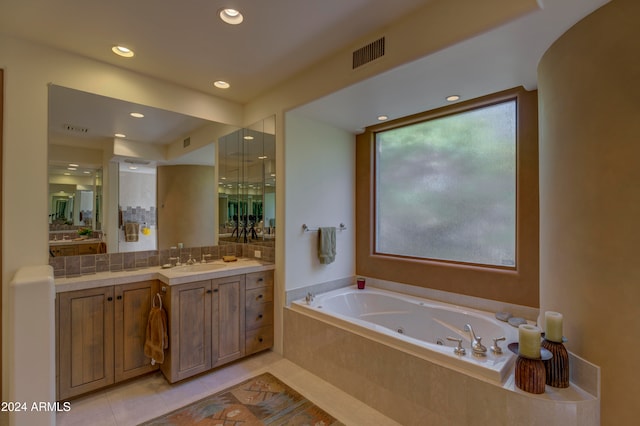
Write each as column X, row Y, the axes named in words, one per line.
column 417, row 326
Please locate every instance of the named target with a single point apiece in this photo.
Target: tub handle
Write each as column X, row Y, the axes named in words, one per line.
column 458, row 350
column 495, row 348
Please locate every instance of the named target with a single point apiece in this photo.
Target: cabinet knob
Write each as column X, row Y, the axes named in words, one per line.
column 260, row 296
column 208, row 291
column 109, row 298
column 215, row 291
column 119, row 297
column 260, row 280
column 260, row 339
column 260, row 316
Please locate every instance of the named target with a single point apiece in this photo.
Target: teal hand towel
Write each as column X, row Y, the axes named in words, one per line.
column 326, row 245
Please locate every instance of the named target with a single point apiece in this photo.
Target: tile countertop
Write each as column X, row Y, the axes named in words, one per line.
column 172, row 276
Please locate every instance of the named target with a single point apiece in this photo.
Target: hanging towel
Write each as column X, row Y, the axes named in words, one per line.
column 326, row 245
column 157, row 338
column 131, row 231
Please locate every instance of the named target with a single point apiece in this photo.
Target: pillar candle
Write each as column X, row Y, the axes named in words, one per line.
column 553, row 326
column 529, row 341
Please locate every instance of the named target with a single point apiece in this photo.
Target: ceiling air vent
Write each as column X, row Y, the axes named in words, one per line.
column 75, row 129
column 368, row 53
column 186, row 142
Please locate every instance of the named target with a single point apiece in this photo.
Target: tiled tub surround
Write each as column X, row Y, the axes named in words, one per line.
column 73, row 266
column 417, row 391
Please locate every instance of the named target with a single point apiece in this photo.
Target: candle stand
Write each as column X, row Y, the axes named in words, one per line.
column 530, row 372
column 557, row 368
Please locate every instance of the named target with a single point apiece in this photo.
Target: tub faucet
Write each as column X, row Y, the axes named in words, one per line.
column 476, row 342
column 309, row 298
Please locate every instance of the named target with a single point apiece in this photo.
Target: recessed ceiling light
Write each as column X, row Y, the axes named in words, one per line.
column 133, row 168
column 231, row 16
column 221, row 84
column 86, row 172
column 452, row 98
column 66, row 174
column 248, row 138
column 383, row 117
column 72, row 168
column 73, row 165
column 120, row 135
column 223, row 178
column 136, row 114
column 125, row 52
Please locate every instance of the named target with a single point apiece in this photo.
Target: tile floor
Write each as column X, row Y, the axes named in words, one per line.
column 147, row 397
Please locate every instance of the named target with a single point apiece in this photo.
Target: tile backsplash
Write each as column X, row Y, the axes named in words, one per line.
column 73, row 266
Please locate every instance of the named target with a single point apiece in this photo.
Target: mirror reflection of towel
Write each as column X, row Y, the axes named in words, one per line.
column 131, row 232
column 327, row 245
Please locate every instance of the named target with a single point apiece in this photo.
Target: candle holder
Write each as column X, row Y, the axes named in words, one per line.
column 557, row 368
column 530, row 372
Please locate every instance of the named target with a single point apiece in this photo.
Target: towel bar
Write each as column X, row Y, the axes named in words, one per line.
column 305, row 228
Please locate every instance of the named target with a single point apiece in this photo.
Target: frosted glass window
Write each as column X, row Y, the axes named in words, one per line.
column 446, row 188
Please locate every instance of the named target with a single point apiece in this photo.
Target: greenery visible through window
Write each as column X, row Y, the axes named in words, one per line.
column 446, row 188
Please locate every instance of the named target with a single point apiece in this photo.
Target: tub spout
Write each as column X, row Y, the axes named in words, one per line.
column 476, row 342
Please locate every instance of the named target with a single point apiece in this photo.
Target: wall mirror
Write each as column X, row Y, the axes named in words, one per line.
column 152, row 181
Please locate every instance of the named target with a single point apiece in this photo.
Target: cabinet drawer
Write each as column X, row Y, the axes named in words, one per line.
column 259, row 339
column 258, row 296
column 259, row 279
column 257, row 316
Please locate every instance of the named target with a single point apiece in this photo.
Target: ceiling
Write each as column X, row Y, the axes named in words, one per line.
column 191, row 47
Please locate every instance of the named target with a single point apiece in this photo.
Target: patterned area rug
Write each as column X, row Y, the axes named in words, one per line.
column 262, row 400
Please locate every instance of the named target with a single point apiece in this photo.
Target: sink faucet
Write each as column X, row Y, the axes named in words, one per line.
column 174, row 259
column 476, row 342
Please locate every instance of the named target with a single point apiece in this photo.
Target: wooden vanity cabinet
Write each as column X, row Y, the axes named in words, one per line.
column 259, row 312
column 227, row 319
column 217, row 321
column 188, row 309
column 206, row 326
column 100, row 336
column 85, row 332
column 132, row 306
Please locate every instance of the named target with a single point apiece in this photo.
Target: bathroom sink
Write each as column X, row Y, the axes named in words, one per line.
column 199, row 267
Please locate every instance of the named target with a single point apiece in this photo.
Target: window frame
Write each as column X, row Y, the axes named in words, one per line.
column 519, row 284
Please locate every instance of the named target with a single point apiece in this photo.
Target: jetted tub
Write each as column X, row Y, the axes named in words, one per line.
column 417, row 326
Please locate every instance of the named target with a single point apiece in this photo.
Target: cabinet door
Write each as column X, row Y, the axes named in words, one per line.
column 190, row 330
column 227, row 320
column 86, row 340
column 132, row 306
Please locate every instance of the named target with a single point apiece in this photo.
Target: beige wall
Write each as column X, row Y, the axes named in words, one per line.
column 589, row 89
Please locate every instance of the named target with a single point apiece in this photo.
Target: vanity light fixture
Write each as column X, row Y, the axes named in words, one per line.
column 72, row 168
column 262, row 157
column 120, row 135
column 383, row 117
column 221, row 84
column 248, row 138
column 125, row 52
column 66, row 174
column 133, row 168
column 87, row 172
column 231, row 16
column 452, row 98
column 136, row 114
column 73, row 165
